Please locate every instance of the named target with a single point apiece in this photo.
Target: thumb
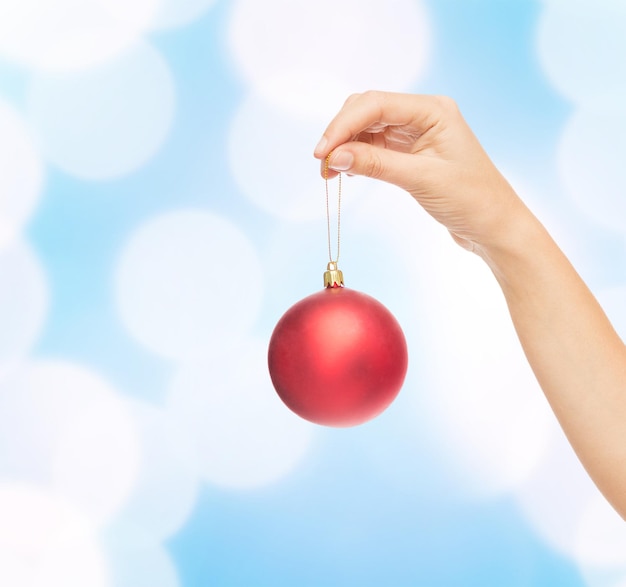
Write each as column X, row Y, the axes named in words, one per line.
column 359, row 158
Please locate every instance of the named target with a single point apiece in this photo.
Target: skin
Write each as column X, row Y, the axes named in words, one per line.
column 423, row 145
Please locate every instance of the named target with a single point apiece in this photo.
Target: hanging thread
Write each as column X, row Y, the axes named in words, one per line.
column 330, row 254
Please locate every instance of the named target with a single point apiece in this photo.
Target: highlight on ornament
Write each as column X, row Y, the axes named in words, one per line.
column 338, row 357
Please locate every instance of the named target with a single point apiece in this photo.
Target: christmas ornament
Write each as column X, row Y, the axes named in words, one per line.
column 338, row 357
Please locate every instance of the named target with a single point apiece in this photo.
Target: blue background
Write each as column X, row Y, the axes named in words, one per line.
column 394, row 502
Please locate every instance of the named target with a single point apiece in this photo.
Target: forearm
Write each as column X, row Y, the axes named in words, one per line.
column 576, row 355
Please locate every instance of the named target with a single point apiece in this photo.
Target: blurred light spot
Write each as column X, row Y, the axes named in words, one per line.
column 304, row 94
column 601, row 536
column 486, row 398
column 357, row 44
column 22, row 174
column 108, row 121
column 137, row 15
column 45, row 541
column 273, row 164
column 141, row 567
column 591, row 164
column 188, row 282
column 167, row 481
column 176, row 13
column 603, row 582
column 557, row 494
column 67, row 35
column 391, row 215
column 23, row 302
column 581, row 45
column 244, row 435
column 63, row 427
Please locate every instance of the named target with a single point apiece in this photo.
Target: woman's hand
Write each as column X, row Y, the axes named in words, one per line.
column 423, row 144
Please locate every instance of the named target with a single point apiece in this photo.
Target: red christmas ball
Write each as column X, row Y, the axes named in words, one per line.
column 337, row 357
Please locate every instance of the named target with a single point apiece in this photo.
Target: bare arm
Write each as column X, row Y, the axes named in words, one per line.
column 576, row 355
column 422, row 144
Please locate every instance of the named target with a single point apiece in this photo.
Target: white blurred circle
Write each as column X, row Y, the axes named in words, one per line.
column 390, row 214
column 581, row 45
column 176, row 13
column 362, row 45
column 557, row 495
column 188, row 282
column 108, row 121
column 601, row 536
column 167, row 480
column 23, row 302
column 22, row 173
column 151, row 566
column 271, row 158
column 46, row 541
column 65, row 428
column 300, row 94
column 618, row 580
column 591, row 164
column 493, row 417
column 245, row 436
column 67, row 35
column 137, row 15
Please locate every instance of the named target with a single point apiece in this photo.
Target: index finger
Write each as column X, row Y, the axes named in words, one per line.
column 373, row 110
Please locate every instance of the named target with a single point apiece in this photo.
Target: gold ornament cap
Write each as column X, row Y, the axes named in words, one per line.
column 333, row 277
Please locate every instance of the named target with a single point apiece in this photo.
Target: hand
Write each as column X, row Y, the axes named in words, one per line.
column 423, row 144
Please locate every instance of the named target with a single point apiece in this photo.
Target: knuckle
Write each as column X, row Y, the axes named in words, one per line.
column 447, row 104
column 374, row 167
column 351, row 98
column 373, row 96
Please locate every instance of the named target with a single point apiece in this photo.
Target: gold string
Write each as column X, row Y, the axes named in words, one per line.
column 330, row 255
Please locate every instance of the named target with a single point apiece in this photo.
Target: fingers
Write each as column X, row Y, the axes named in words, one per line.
column 358, row 158
column 372, row 111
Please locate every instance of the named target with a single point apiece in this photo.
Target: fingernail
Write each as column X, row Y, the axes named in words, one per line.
column 321, row 146
column 341, row 161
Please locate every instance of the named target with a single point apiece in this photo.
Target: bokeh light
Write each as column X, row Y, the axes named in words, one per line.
column 272, row 166
column 486, row 398
column 167, row 483
column 23, row 302
column 188, row 282
column 591, row 164
column 178, row 13
column 325, row 38
column 580, row 44
column 557, row 494
column 107, row 121
column 69, row 431
column 150, row 566
column 67, row 35
column 21, row 181
column 601, row 536
column 46, row 541
column 244, row 435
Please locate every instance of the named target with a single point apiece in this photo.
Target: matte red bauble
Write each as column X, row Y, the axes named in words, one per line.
column 337, row 357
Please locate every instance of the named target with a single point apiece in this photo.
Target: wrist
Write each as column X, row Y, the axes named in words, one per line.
column 516, row 244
